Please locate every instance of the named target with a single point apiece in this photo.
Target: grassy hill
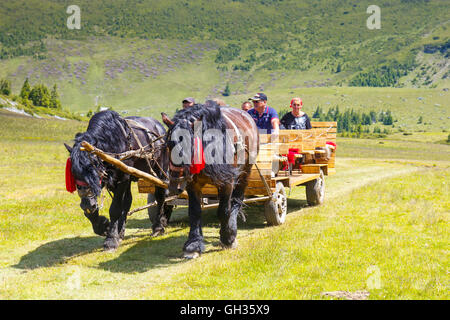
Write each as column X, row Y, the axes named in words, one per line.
column 143, row 57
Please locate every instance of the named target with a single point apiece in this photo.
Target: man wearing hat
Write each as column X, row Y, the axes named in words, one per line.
column 188, row 102
column 266, row 118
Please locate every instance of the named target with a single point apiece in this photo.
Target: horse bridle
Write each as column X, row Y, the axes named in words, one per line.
column 239, row 141
column 102, row 173
column 180, row 169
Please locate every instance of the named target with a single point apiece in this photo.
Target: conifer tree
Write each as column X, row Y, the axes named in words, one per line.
column 388, row 118
column 227, row 90
column 54, row 98
column 317, row 113
column 26, row 89
column 40, row 96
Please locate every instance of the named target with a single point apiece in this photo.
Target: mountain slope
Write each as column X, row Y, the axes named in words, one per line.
column 150, row 54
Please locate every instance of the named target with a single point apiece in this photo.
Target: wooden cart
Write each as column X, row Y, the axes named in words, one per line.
column 268, row 180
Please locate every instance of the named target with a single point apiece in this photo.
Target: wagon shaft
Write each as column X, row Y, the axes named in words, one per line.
column 124, row 168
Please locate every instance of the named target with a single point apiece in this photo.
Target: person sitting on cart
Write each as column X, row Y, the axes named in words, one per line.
column 246, row 105
column 266, row 118
column 296, row 119
column 188, row 102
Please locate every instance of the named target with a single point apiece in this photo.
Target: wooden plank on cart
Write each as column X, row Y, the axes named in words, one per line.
column 300, row 178
column 320, row 137
column 314, row 168
column 309, row 139
column 145, row 186
column 254, row 175
column 264, row 138
column 290, row 139
column 210, row 190
column 331, row 129
column 257, row 191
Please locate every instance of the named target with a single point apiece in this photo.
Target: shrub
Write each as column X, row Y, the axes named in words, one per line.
column 228, row 53
column 5, row 87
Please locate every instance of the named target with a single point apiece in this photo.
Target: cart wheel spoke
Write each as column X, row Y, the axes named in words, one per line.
column 275, row 209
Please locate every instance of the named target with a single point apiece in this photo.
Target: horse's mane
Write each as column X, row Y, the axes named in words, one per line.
column 209, row 113
column 105, row 131
column 211, row 117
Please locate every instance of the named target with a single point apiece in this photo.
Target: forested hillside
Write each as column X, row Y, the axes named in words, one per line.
column 123, row 45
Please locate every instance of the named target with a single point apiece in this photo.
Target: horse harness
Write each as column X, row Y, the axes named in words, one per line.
column 148, row 156
column 140, row 153
column 239, row 144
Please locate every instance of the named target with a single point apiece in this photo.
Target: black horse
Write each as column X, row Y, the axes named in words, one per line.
column 215, row 145
column 116, row 135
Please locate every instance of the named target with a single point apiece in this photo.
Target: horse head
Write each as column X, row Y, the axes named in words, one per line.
column 84, row 171
column 179, row 141
column 198, row 143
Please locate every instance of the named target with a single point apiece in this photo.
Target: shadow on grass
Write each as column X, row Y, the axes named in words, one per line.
column 254, row 215
column 144, row 252
column 296, row 204
column 150, row 253
column 58, row 251
column 139, row 224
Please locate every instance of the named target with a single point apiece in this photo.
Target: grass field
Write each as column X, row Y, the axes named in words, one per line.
column 383, row 229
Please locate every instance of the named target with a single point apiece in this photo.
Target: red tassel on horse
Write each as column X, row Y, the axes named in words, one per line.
column 70, row 179
column 198, row 158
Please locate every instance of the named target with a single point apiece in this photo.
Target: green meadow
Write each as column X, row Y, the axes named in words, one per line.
column 383, row 230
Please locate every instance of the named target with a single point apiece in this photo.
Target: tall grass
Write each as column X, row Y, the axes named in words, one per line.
column 400, row 226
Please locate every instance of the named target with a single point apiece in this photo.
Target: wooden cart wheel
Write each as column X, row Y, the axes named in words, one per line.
column 315, row 190
column 275, row 209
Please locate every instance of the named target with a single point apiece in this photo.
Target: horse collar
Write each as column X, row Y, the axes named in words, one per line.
column 239, row 141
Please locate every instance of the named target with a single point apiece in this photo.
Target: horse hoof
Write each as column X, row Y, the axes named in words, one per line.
column 191, row 255
column 110, row 245
column 229, row 246
column 157, row 233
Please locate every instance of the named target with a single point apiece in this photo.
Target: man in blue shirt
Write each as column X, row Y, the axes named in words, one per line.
column 266, row 118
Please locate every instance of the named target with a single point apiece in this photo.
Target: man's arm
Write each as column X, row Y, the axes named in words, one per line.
column 275, row 125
